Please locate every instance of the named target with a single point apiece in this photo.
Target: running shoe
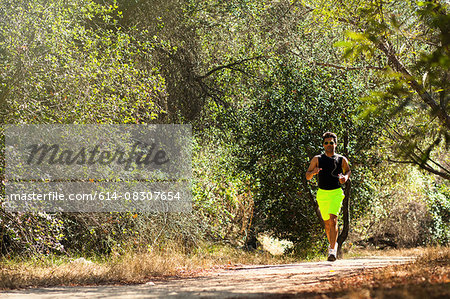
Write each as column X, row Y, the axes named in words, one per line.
column 332, row 253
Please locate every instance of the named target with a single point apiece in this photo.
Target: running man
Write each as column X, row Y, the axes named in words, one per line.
column 333, row 170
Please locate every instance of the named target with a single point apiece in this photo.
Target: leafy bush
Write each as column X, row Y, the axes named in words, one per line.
column 281, row 132
column 408, row 210
column 438, row 198
column 71, row 63
column 222, row 196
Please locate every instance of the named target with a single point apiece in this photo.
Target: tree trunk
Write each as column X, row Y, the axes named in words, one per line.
column 346, row 217
column 345, row 205
column 313, row 202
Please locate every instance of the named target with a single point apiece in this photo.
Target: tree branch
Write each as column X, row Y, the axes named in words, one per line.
column 206, row 90
column 393, row 62
column 227, row 66
column 346, row 216
column 432, row 161
column 341, row 67
column 400, row 162
column 424, row 166
column 348, row 68
column 313, row 202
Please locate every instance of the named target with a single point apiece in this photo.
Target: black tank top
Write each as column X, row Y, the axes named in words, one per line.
column 331, row 167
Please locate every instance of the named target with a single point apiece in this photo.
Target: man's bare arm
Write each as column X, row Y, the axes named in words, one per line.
column 313, row 168
column 346, row 170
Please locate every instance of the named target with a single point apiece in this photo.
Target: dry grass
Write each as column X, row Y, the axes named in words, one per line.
column 134, row 267
column 372, row 251
column 129, row 268
column 427, row 277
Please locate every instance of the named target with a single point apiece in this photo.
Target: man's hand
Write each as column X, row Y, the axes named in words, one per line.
column 342, row 178
column 310, row 174
column 316, row 170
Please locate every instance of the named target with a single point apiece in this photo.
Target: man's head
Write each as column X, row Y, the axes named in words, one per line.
column 327, row 135
column 329, row 142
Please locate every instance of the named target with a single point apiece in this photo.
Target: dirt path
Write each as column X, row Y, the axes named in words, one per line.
column 246, row 281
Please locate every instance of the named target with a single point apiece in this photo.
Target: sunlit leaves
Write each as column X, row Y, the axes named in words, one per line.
column 61, row 68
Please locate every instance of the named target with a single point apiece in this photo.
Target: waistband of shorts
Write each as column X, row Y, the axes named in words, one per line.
column 332, row 190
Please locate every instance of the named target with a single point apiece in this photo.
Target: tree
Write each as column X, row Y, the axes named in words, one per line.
column 66, row 62
column 408, row 42
column 280, row 133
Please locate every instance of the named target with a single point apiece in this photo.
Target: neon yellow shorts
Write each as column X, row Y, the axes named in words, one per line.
column 329, row 202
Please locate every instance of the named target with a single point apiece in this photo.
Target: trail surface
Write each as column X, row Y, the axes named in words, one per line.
column 240, row 282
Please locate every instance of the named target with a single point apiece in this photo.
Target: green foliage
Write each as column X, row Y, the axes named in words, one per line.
column 439, row 207
column 408, row 209
column 407, row 42
column 31, row 233
column 60, row 68
column 73, row 62
column 94, row 233
column 281, row 133
column 222, row 196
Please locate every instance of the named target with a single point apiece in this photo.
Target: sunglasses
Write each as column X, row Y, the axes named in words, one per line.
column 326, row 142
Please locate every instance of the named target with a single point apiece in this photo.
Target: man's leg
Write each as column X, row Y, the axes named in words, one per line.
column 333, row 231
column 327, row 228
column 333, row 211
